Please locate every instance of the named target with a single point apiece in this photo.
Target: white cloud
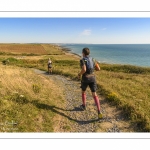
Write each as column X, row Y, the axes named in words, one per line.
column 86, row 32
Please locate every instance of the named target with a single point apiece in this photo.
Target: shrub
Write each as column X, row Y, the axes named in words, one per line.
column 36, row 88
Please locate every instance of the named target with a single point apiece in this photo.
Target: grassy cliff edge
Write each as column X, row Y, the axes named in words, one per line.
column 125, row 86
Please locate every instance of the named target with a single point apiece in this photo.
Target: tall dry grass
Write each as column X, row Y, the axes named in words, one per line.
column 129, row 92
column 126, row 86
column 22, row 49
column 28, row 101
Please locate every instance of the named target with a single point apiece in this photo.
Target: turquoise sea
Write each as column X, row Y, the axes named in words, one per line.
column 132, row 54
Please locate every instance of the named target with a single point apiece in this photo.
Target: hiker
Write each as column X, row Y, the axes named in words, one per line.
column 88, row 65
column 49, row 65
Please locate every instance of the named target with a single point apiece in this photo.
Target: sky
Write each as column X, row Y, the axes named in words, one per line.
column 75, row 30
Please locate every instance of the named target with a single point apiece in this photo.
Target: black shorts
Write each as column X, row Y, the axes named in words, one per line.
column 92, row 86
column 49, row 67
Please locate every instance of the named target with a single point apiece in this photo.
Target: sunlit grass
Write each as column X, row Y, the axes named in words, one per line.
column 124, row 85
column 22, row 49
column 27, row 101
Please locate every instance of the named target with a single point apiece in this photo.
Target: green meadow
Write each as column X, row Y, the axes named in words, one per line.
column 127, row 87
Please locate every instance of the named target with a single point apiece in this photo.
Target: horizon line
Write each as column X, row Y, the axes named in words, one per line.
column 62, row 43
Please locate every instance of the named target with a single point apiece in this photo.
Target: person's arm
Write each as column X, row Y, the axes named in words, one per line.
column 97, row 67
column 83, row 70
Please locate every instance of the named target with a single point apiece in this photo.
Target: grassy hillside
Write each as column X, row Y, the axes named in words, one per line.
column 125, row 86
column 22, row 49
column 27, row 101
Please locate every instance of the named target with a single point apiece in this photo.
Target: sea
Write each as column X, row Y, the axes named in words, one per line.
column 125, row 54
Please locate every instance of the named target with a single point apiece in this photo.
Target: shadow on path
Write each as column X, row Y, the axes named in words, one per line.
column 56, row 109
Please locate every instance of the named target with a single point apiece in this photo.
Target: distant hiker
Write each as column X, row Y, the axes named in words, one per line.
column 49, row 65
column 88, row 65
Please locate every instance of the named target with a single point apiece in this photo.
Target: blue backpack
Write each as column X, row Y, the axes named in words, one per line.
column 89, row 62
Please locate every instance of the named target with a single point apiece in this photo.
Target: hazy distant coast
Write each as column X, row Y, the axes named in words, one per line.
column 125, row 54
column 68, row 50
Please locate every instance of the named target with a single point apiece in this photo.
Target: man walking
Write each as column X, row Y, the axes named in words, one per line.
column 88, row 65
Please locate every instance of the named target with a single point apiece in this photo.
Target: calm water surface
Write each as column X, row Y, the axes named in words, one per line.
column 133, row 54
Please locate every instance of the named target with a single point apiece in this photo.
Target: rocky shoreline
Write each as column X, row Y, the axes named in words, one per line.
column 68, row 50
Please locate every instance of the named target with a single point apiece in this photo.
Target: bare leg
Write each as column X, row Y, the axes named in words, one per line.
column 51, row 70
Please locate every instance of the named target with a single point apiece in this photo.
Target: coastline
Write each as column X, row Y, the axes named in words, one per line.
column 114, row 54
column 68, row 51
column 118, row 83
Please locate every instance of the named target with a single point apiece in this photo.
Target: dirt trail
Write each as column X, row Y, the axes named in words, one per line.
column 72, row 119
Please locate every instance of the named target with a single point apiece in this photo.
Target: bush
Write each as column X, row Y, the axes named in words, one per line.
column 19, row 98
column 36, row 88
column 125, row 68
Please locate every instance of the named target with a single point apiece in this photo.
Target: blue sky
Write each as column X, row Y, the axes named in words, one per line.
column 75, row 30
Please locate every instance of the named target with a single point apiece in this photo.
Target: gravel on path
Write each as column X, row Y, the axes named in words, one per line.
column 87, row 121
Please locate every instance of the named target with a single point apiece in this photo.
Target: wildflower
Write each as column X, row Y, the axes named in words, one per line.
column 21, row 95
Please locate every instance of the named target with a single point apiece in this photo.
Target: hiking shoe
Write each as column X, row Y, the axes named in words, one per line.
column 100, row 115
column 82, row 107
